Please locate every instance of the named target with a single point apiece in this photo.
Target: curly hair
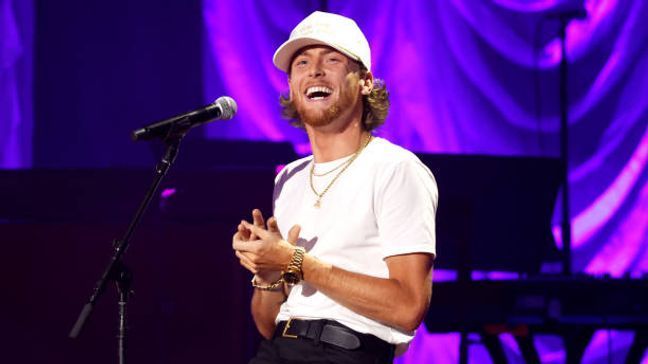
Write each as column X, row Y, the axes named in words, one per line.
column 375, row 106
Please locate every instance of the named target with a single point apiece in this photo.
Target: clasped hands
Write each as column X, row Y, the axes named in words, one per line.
column 261, row 249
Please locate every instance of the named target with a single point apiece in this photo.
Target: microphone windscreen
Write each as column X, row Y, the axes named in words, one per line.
column 228, row 107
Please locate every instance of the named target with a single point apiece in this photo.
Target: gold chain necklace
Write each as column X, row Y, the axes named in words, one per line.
column 332, row 170
column 344, row 168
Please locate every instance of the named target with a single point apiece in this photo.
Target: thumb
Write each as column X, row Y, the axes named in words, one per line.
column 293, row 234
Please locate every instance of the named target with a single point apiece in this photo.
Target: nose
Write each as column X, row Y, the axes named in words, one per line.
column 316, row 69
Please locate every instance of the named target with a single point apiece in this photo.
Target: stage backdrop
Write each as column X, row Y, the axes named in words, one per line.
column 16, row 62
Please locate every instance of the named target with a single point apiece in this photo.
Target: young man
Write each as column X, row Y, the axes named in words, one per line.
column 343, row 270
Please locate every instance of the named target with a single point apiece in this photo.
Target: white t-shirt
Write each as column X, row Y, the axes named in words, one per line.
column 384, row 204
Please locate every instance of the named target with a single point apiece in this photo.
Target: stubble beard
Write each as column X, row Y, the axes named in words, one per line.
column 326, row 116
column 318, row 117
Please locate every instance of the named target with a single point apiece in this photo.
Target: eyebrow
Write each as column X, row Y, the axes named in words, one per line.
column 323, row 51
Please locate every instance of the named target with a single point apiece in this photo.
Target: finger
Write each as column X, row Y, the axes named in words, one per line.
column 273, row 227
column 238, row 236
column 293, row 234
column 248, row 267
column 247, row 260
column 244, row 234
column 250, row 257
column 257, row 219
column 260, row 232
column 245, row 245
column 244, row 258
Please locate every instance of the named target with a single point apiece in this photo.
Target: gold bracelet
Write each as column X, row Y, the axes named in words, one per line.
column 269, row 287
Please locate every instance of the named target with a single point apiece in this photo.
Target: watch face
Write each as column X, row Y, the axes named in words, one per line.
column 291, row 277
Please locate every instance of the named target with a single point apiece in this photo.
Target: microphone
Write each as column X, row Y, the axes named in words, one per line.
column 223, row 108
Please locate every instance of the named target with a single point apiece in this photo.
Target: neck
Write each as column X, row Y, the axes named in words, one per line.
column 338, row 139
column 331, row 145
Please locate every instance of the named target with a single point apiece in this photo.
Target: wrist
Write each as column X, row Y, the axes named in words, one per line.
column 276, row 285
column 267, row 277
column 314, row 270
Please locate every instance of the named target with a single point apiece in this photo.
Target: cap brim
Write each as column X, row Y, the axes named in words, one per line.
column 286, row 51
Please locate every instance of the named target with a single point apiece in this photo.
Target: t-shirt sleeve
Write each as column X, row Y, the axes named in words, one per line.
column 406, row 202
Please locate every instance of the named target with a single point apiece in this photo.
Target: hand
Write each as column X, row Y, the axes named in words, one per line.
column 262, row 250
column 244, row 234
column 257, row 218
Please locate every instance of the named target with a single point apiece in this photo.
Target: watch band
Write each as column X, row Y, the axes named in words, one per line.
column 293, row 273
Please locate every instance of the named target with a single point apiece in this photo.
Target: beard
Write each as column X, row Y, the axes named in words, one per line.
column 321, row 117
column 318, row 117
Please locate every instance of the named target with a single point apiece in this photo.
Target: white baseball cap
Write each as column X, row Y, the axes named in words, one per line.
column 328, row 29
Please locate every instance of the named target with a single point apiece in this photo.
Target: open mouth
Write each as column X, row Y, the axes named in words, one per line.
column 318, row 92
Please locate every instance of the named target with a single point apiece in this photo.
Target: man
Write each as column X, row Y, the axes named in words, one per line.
column 343, row 273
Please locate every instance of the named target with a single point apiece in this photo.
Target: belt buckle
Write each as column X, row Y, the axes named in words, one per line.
column 285, row 333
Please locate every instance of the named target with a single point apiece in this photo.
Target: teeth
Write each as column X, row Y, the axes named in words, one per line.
column 311, row 90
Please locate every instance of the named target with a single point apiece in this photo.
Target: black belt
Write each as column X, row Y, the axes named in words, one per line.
column 331, row 332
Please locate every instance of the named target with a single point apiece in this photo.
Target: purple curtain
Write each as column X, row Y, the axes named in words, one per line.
column 479, row 77
column 16, row 31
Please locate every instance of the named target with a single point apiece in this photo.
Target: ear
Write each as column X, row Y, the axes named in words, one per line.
column 366, row 84
column 290, row 89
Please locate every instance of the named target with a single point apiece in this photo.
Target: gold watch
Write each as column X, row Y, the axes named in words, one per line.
column 293, row 273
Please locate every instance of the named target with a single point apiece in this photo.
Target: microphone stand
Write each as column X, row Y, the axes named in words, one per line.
column 116, row 270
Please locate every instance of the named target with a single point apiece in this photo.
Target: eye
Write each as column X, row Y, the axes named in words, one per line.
column 300, row 62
